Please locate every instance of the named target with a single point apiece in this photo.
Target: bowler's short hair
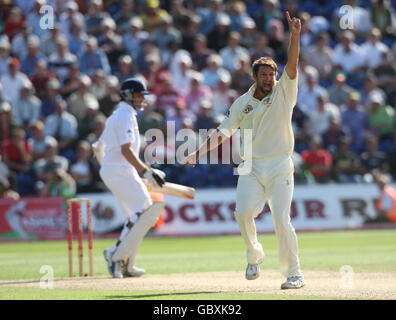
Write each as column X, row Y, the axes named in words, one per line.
column 264, row 61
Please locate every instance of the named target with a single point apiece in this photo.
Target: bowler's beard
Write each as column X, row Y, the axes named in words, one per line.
column 263, row 90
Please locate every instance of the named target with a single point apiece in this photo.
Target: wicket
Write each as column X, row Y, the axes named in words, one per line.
column 74, row 207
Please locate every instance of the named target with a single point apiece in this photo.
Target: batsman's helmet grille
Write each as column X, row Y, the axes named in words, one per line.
column 130, row 86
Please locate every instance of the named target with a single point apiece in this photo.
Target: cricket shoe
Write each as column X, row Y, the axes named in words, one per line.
column 136, row 272
column 119, row 267
column 295, row 282
column 252, row 271
column 110, row 264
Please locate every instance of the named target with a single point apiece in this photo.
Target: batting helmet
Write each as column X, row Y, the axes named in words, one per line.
column 130, row 86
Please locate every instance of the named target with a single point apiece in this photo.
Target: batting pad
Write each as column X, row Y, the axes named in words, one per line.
column 130, row 244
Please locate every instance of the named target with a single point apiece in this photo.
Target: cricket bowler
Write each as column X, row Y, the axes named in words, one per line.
column 266, row 110
column 117, row 150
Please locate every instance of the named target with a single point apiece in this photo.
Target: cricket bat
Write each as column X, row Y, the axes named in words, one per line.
column 173, row 189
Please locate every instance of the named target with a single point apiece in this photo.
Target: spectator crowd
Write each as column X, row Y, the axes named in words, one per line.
column 59, row 83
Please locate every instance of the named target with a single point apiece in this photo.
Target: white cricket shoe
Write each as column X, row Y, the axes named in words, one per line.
column 136, row 272
column 252, row 271
column 110, row 264
column 295, row 282
column 119, row 268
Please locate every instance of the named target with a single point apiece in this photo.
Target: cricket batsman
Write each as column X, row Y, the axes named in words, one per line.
column 117, row 150
column 265, row 110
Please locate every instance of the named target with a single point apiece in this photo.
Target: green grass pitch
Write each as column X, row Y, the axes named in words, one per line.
column 371, row 250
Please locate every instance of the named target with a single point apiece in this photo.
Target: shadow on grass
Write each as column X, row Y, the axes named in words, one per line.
column 142, row 296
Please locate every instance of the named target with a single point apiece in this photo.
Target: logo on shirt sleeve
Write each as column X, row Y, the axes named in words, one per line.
column 247, row 109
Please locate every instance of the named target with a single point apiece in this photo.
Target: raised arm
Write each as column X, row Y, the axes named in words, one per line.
column 294, row 47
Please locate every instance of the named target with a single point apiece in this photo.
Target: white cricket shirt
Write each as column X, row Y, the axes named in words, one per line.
column 269, row 120
column 121, row 127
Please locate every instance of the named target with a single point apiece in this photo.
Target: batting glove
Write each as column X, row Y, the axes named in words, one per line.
column 155, row 177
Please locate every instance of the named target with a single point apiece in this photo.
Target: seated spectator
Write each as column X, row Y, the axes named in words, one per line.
column 5, row 57
column 306, row 35
column 51, row 156
column 370, row 86
column 167, row 97
column 84, row 171
column 346, row 165
column 372, row 159
column 200, row 52
column 317, row 160
column 94, row 18
column 112, row 97
column 307, row 97
column 98, row 87
column 13, row 23
column 13, row 82
column 261, row 48
column 198, row 92
column 154, row 73
column 72, row 81
column 321, row 117
column 149, row 119
column 126, row 69
column 123, row 17
column 49, row 101
column 93, row 58
column 48, row 43
column 182, row 79
column 205, row 119
column 17, row 152
column 339, row 91
column 62, row 125
column 152, row 15
column 276, row 36
column 165, row 33
column 214, row 71
column 180, row 113
column 40, row 78
column 69, row 17
column 87, row 123
column 111, row 44
column 382, row 119
column 237, row 11
column 332, row 137
column 33, row 55
column 355, row 119
column 60, row 60
column 249, row 33
column 7, row 122
column 218, row 37
column 373, row 49
column 20, row 43
column 305, row 70
column 223, row 96
column 38, row 140
column 148, row 48
column 241, row 78
column 78, row 100
column 77, row 37
column 348, row 56
column 233, row 51
column 27, row 109
column 133, row 38
column 302, row 137
column 385, row 73
column 57, row 183
column 381, row 14
column 320, row 55
column 99, row 125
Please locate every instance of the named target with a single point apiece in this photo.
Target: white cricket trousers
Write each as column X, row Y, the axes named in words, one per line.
column 128, row 188
column 270, row 180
